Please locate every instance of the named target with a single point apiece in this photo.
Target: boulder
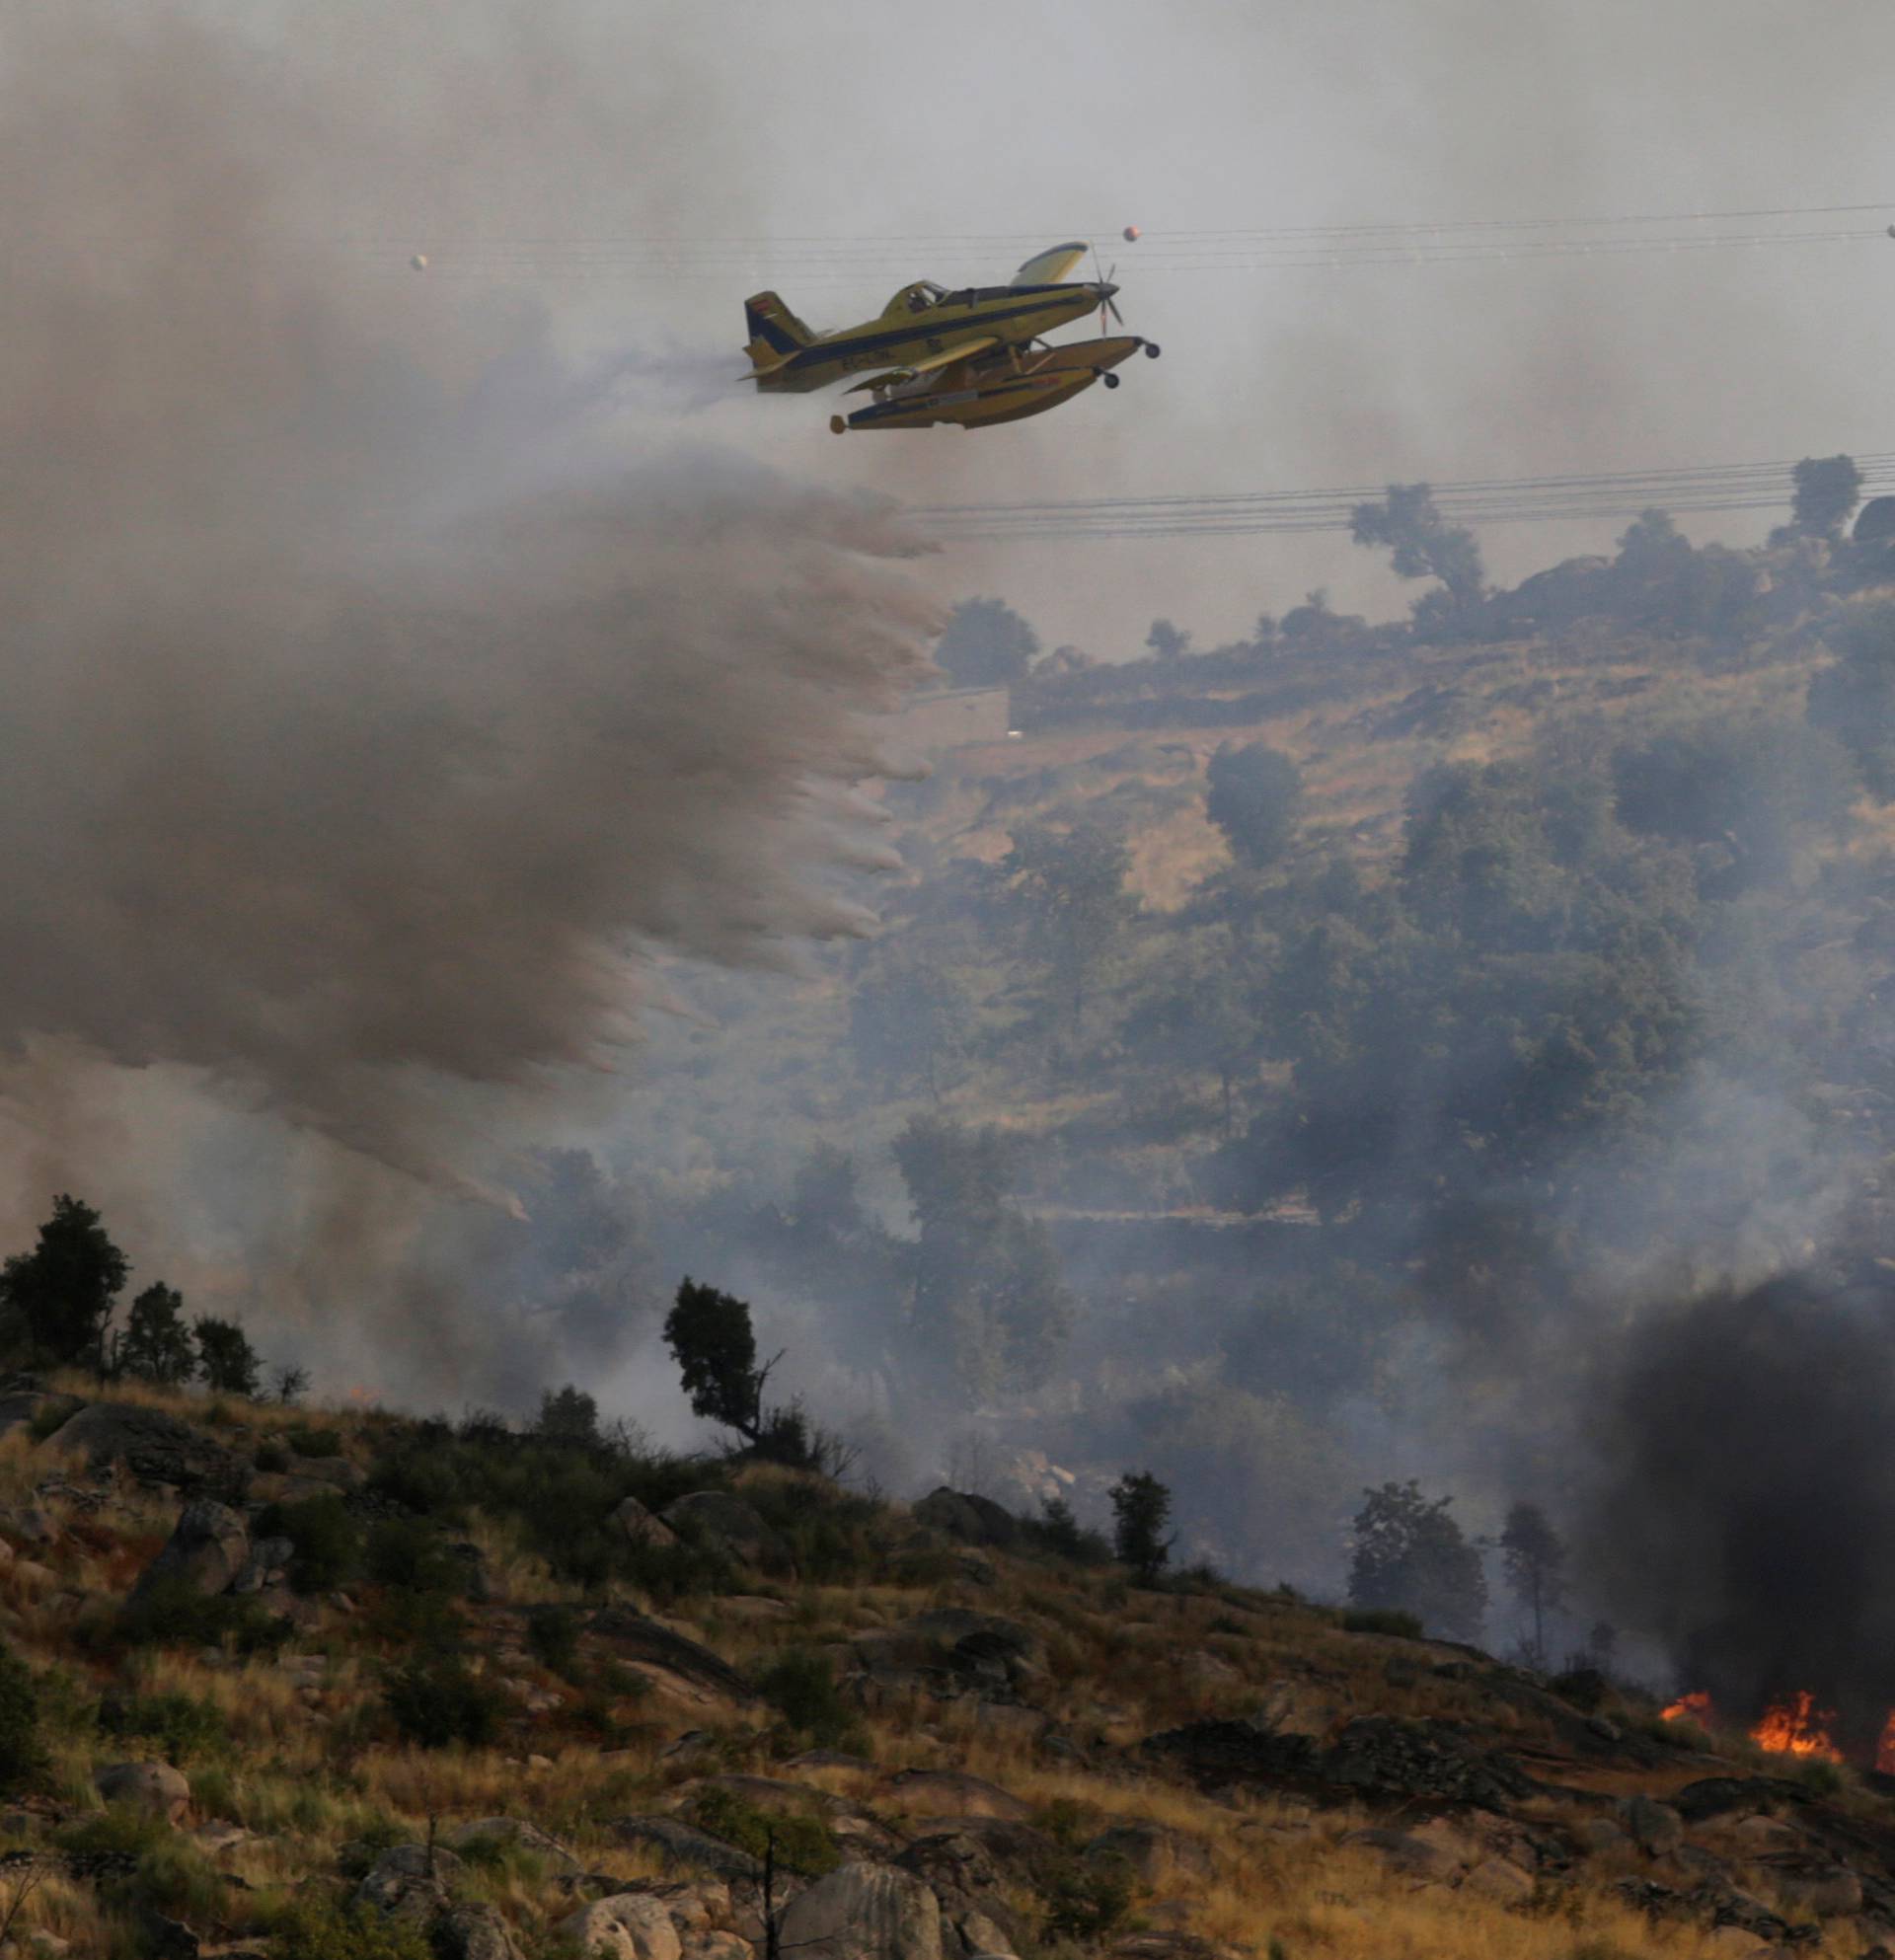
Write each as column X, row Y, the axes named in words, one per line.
column 208, row 1550
column 1148, row 1851
column 155, row 1448
column 1813, row 1885
column 1412, row 1857
column 972, row 1519
column 410, row 1882
column 952, row 1793
column 155, row 1788
column 865, row 1912
column 629, row 1926
column 1655, row 1828
column 22, row 1408
column 267, row 1563
column 686, row 1848
column 733, row 1527
column 646, row 1642
column 473, row 1933
column 642, row 1527
column 509, row 1831
column 1380, row 1756
column 1501, row 1880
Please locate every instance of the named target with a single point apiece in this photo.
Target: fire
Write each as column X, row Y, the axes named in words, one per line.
column 1689, row 1709
column 1795, row 1726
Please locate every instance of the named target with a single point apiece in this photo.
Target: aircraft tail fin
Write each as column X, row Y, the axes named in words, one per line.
column 776, row 334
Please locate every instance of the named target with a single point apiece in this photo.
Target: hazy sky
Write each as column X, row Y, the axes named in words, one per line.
column 834, row 119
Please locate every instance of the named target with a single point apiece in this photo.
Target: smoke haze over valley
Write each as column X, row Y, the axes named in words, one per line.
column 464, row 872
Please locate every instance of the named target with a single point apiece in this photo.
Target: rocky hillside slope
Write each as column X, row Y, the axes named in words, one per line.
column 315, row 1685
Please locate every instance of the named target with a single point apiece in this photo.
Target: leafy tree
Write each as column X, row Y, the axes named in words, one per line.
column 1141, row 1509
column 568, row 1415
column 65, row 1287
column 1254, row 794
column 1826, row 490
column 1166, row 641
column 1855, row 700
column 1422, row 542
column 910, row 1016
column 1070, row 885
column 986, row 1302
column 986, row 643
column 230, row 1364
column 156, row 1345
column 1315, row 622
column 1533, row 1558
column 711, row 1339
column 1410, row 1553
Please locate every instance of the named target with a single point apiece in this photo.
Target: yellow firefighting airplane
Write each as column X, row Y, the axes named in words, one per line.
column 968, row 357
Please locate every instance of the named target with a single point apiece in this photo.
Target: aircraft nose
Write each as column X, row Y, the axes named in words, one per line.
column 1106, row 290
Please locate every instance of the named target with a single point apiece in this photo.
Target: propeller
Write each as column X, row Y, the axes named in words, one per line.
column 1106, row 304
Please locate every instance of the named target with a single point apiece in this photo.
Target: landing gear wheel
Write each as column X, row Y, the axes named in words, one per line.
column 837, row 425
column 1110, row 380
column 1151, row 349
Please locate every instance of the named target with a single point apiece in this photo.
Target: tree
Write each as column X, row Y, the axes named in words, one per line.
column 1070, row 886
column 1533, row 1558
column 986, row 643
column 1141, row 1509
column 230, row 1364
column 568, row 1415
column 711, row 1339
column 156, row 1345
column 1410, row 1555
column 1423, row 543
column 1166, row 641
column 987, row 1303
column 1855, row 700
column 65, row 1287
column 289, row 1384
column 1826, row 490
column 1254, row 796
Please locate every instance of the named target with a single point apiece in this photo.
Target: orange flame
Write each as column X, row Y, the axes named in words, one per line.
column 1795, row 1726
column 1689, row 1708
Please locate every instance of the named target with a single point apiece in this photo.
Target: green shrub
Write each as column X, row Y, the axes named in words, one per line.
column 1382, row 1619
column 553, row 1633
column 181, row 1724
column 316, row 1442
column 1820, row 1776
column 408, row 1554
column 173, row 1612
column 21, row 1756
column 801, row 1684
column 121, row 1827
column 271, row 1458
column 1058, row 1532
column 310, row 1928
column 327, row 1536
column 804, row 1842
column 175, row 1878
column 436, row 1702
column 1085, row 1899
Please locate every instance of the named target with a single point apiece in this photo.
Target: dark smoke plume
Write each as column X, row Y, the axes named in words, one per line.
column 1750, row 1504
column 371, row 717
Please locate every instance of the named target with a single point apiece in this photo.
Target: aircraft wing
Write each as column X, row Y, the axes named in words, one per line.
column 960, row 350
column 1048, row 267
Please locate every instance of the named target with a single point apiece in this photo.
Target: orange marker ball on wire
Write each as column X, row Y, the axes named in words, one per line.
column 1130, row 234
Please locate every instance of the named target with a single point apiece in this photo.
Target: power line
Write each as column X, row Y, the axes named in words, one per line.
column 1619, row 494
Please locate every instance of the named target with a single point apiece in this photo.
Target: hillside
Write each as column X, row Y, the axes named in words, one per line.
column 373, row 1705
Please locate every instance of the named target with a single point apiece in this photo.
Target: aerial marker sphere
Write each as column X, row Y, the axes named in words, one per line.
column 1891, row 230
column 1130, row 234
column 420, row 262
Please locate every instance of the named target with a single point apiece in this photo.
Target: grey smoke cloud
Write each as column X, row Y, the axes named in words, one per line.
column 377, row 704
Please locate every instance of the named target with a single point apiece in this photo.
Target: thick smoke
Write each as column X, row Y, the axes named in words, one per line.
column 1751, row 1500
column 371, row 717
